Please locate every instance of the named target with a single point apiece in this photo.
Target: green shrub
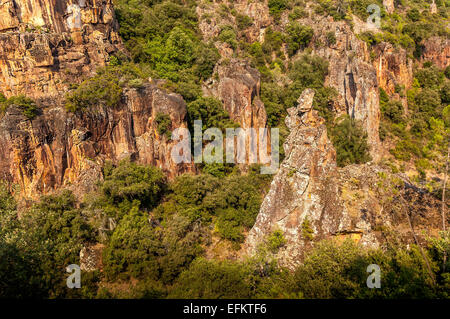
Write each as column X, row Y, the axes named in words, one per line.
column 228, row 35
column 25, row 104
column 276, row 240
column 164, row 124
column 213, row 280
column 128, row 182
column 299, row 36
column 100, row 90
column 243, row 21
column 350, row 141
column 331, row 38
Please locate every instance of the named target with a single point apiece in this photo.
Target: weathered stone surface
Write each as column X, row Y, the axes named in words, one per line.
column 437, row 50
column 91, row 257
column 300, row 189
column 351, row 202
column 352, row 74
column 389, row 6
column 47, row 45
column 238, row 88
column 59, row 148
column 393, row 68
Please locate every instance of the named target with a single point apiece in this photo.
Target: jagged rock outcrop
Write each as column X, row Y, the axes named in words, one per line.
column 58, row 148
column 238, row 87
column 311, row 199
column 301, row 190
column 91, row 257
column 352, row 74
column 389, row 6
column 47, row 45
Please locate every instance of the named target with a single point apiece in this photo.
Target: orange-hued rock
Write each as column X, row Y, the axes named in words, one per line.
column 394, row 68
column 58, row 148
column 47, row 45
column 437, row 50
column 238, row 87
column 311, row 199
column 352, row 74
column 300, row 189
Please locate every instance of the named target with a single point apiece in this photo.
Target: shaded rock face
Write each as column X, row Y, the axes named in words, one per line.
column 301, row 189
column 437, row 50
column 352, row 74
column 62, row 149
column 238, row 88
column 47, row 45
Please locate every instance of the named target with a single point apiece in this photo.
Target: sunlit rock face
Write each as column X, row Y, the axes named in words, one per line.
column 47, row 45
column 58, row 148
column 302, row 189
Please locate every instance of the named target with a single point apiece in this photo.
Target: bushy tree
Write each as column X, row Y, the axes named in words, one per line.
column 350, row 141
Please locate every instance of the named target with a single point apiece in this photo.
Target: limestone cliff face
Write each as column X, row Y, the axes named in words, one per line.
column 47, row 45
column 62, row 149
column 437, row 50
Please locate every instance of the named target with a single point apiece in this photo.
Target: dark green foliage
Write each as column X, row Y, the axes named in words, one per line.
column 133, row 248
column 228, row 35
column 299, row 36
column 430, row 77
column 331, row 38
column 213, row 280
column 25, row 104
column 276, row 7
column 243, row 21
column 232, row 203
column 129, row 182
column 104, row 89
column 393, row 111
column 276, row 241
column 413, row 14
column 210, row 111
column 164, row 124
column 165, row 36
column 350, row 141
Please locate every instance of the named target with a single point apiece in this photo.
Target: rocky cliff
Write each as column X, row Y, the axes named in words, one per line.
column 311, row 199
column 58, row 148
column 46, row 46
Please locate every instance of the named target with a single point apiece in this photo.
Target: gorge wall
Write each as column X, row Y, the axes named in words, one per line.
column 45, row 47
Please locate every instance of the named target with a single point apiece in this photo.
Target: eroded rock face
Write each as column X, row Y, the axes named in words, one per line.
column 62, row 149
column 238, row 88
column 301, row 189
column 437, row 50
column 311, row 199
column 352, row 74
column 47, row 45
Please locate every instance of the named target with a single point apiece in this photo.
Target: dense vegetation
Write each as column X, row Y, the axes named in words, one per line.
column 159, row 241
column 157, row 235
